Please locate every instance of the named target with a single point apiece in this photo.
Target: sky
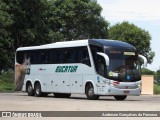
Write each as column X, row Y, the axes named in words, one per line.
column 142, row 13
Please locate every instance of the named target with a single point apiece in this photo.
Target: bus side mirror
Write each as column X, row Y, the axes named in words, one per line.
column 144, row 60
column 105, row 57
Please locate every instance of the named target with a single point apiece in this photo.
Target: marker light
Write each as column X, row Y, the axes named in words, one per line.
column 116, row 83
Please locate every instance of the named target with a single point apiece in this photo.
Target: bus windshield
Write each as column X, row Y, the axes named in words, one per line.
column 124, row 66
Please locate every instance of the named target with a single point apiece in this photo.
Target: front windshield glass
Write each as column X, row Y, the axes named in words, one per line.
column 124, row 66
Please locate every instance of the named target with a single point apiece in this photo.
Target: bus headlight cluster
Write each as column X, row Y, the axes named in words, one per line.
column 139, row 85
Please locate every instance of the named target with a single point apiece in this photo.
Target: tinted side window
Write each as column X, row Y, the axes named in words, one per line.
column 101, row 66
column 20, row 57
column 55, row 56
column 70, row 55
column 26, row 55
column 73, row 55
column 67, row 56
column 34, row 56
column 83, row 56
column 45, row 57
column 61, row 56
column 99, row 61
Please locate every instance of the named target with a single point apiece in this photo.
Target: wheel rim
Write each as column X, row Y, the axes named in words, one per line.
column 37, row 90
column 91, row 92
column 30, row 89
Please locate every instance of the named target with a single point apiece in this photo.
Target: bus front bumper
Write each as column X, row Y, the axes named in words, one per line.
column 116, row 91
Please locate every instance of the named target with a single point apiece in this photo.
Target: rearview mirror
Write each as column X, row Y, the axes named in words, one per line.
column 105, row 57
column 144, row 60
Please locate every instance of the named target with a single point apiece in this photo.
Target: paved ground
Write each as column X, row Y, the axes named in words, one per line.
column 23, row 102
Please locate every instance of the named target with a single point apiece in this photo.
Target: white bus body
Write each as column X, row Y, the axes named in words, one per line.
column 70, row 67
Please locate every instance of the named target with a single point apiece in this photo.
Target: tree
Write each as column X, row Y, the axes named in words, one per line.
column 43, row 21
column 36, row 22
column 158, row 75
column 6, row 43
column 30, row 24
column 146, row 71
column 134, row 35
column 78, row 19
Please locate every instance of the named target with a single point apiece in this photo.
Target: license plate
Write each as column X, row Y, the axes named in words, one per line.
column 126, row 92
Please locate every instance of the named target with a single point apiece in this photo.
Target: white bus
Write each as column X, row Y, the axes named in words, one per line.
column 94, row 67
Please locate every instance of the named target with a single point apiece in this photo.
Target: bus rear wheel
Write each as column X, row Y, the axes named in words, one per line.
column 90, row 93
column 37, row 90
column 120, row 97
column 30, row 90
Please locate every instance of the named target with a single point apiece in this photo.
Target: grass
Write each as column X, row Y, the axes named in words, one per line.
column 7, row 82
column 156, row 89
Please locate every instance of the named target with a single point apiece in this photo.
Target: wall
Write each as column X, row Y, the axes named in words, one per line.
column 147, row 84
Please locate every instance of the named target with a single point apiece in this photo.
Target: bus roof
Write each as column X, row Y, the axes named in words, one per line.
column 112, row 44
column 57, row 45
column 75, row 43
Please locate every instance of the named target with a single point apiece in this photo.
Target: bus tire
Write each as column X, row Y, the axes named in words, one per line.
column 37, row 90
column 90, row 93
column 120, row 97
column 29, row 89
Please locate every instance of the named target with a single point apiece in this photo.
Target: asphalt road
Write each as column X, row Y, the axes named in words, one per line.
column 22, row 102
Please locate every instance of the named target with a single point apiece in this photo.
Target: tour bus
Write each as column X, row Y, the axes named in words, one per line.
column 95, row 67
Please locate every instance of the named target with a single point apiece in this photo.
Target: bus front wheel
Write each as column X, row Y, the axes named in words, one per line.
column 90, row 93
column 120, row 97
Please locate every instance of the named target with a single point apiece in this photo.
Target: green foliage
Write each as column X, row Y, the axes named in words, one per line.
column 36, row 22
column 134, row 35
column 156, row 88
column 30, row 26
column 146, row 71
column 157, row 75
column 43, row 21
column 7, row 82
column 6, row 55
column 78, row 19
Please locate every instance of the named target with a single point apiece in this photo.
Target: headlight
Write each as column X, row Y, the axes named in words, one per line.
column 139, row 84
